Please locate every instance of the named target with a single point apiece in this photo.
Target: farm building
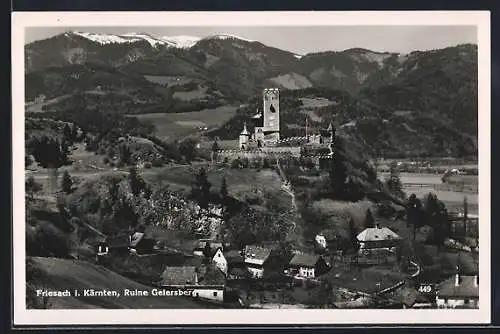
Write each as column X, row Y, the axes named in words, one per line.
column 308, row 265
column 459, row 291
column 255, row 259
column 202, row 245
column 377, row 237
column 179, row 276
column 220, row 261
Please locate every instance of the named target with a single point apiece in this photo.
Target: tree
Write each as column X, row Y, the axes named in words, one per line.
column 67, row 134
column 369, row 220
column 215, row 148
column 201, row 188
column 125, row 155
column 49, row 152
column 207, row 250
column 353, row 234
column 414, row 212
column 113, row 188
column 187, row 149
column 394, row 184
column 223, row 190
column 74, row 133
column 136, row 182
column 67, row 182
column 125, row 216
column 32, row 187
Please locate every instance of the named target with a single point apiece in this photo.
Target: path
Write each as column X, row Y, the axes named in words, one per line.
column 287, row 187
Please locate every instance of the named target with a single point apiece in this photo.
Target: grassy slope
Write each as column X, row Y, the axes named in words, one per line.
column 184, row 124
column 62, row 274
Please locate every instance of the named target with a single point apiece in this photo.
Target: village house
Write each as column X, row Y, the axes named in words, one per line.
column 236, row 268
column 202, row 244
column 119, row 244
column 377, row 237
column 255, row 259
column 328, row 240
column 308, row 265
column 459, row 291
column 179, row 276
column 220, row 261
column 211, row 285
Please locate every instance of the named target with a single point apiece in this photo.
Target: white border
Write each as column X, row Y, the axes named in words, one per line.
column 21, row 20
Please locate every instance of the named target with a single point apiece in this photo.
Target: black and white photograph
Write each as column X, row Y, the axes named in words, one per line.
column 310, row 166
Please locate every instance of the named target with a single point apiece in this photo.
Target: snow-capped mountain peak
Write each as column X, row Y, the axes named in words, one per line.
column 183, row 42
column 226, row 36
column 155, row 42
column 106, row 38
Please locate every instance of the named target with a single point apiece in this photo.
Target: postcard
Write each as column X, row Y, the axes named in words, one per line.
column 251, row 168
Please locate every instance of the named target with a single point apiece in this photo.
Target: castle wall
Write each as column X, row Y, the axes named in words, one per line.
column 264, row 152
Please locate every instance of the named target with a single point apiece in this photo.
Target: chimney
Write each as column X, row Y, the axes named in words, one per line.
column 377, row 225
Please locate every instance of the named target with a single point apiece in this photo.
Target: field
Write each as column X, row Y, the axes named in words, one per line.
column 239, row 181
column 426, row 183
column 168, row 81
column 178, row 125
column 199, row 93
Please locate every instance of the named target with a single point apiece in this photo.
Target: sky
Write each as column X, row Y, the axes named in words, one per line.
column 302, row 40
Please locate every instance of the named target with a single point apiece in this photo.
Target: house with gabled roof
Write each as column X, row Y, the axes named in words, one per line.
column 202, row 244
column 376, row 238
column 255, row 259
column 459, row 291
column 179, row 276
column 308, row 265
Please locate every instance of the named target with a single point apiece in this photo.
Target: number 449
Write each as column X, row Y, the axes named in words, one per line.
column 425, row 288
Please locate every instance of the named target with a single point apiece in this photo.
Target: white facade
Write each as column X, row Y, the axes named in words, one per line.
column 216, row 294
column 220, row 261
column 321, row 240
column 306, row 272
column 457, row 302
column 256, row 272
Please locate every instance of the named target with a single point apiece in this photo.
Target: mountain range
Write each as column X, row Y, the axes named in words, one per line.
column 394, row 99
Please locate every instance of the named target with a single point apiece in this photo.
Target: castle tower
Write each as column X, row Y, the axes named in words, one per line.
column 244, row 136
column 271, row 108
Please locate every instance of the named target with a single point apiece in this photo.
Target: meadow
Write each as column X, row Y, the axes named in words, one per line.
column 178, row 125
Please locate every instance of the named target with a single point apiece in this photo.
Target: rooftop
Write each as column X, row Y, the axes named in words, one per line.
column 233, row 256
column 136, row 238
column 305, row 260
column 256, row 254
column 377, row 234
column 179, row 276
column 467, row 287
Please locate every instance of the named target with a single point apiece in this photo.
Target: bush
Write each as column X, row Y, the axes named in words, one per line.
column 147, row 165
column 105, row 160
column 157, row 163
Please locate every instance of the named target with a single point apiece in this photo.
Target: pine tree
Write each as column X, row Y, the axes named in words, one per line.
column 353, row 234
column 369, row 220
column 67, row 133
column 74, row 133
column 137, row 184
column 125, row 155
column 223, row 189
column 67, row 182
